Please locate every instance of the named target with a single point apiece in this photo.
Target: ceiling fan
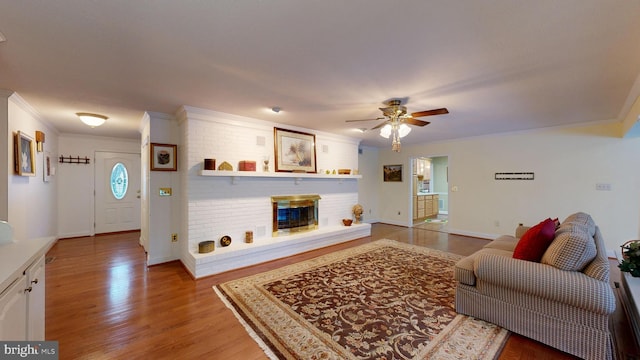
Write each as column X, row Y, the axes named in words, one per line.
column 396, row 120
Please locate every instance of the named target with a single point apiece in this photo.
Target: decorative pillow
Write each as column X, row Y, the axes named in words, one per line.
column 535, row 241
column 572, row 250
column 582, row 219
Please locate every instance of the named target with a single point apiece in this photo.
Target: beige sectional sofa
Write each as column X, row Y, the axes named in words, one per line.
column 564, row 301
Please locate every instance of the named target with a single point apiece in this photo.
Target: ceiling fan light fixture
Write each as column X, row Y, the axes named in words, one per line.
column 404, row 130
column 92, row 120
column 385, row 131
column 397, row 120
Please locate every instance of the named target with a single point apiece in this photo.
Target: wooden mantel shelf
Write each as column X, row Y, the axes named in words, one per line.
column 297, row 176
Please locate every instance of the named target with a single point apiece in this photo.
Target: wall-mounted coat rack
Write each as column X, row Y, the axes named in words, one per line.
column 74, row 160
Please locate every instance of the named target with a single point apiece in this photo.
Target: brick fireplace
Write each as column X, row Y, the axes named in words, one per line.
column 294, row 214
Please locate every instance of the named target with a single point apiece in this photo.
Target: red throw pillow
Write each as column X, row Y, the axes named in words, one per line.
column 535, row 241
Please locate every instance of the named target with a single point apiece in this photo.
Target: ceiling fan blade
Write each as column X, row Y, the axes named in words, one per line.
column 430, row 112
column 380, row 125
column 416, row 122
column 378, row 118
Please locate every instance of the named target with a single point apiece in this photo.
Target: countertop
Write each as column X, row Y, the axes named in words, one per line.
column 15, row 257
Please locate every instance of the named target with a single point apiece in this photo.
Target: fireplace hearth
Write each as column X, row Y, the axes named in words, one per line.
column 294, row 214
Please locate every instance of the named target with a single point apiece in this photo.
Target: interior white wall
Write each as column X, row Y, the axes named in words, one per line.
column 567, row 162
column 440, row 184
column 76, row 181
column 393, row 197
column 369, row 185
column 164, row 215
column 31, row 202
column 145, row 202
column 6, row 152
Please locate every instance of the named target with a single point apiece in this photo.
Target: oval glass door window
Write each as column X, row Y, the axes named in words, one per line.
column 119, row 181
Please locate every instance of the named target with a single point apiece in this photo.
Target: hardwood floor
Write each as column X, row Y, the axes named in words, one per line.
column 103, row 302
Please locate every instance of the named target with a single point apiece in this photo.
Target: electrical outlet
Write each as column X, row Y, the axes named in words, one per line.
column 496, row 223
column 174, row 237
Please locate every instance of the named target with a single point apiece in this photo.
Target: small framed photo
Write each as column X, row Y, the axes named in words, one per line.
column 24, row 154
column 164, row 157
column 46, row 166
column 295, row 151
column 392, row 172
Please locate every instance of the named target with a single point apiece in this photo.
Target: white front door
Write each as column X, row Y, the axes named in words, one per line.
column 117, row 187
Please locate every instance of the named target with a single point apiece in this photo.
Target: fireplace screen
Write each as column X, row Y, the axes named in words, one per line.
column 295, row 213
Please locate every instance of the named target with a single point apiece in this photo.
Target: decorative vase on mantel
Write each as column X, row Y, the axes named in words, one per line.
column 630, row 258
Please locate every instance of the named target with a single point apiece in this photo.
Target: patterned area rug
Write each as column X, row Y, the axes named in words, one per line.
column 384, row 300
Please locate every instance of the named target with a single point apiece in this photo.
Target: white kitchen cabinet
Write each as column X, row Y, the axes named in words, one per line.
column 35, row 300
column 22, row 305
column 13, row 311
column 22, row 283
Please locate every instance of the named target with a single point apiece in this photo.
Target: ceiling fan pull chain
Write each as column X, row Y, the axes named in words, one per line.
column 395, row 145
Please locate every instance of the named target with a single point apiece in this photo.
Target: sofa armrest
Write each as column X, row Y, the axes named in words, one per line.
column 545, row 281
column 520, row 230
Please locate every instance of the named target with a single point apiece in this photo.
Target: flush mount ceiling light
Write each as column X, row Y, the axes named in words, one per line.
column 276, row 109
column 92, row 120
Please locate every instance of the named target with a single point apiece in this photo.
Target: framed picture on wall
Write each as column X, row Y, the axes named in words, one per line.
column 164, row 157
column 46, row 166
column 295, row 151
column 24, row 154
column 392, row 172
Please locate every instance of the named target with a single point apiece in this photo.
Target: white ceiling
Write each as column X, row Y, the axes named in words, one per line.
column 498, row 66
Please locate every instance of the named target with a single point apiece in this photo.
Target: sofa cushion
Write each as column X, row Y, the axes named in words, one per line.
column 463, row 271
column 572, row 249
column 535, row 241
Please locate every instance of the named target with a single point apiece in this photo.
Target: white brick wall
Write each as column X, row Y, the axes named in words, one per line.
column 215, row 206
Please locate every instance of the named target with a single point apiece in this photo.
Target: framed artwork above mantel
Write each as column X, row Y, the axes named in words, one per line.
column 295, row 151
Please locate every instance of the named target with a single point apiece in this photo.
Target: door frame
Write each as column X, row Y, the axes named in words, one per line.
column 411, row 172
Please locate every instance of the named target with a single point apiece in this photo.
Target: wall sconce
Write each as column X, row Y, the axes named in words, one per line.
column 92, row 120
column 39, row 140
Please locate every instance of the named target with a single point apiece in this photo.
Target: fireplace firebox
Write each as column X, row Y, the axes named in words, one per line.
column 295, row 213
